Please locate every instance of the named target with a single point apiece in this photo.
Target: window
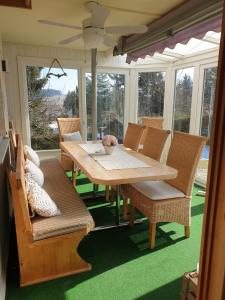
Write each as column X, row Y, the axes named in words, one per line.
column 183, row 98
column 209, row 85
column 110, row 105
column 151, row 87
column 49, row 98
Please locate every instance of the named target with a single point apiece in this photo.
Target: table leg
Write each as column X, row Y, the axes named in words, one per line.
column 117, row 215
column 95, row 189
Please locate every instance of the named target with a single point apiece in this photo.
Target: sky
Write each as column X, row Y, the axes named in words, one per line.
column 69, row 82
column 64, row 83
column 181, row 73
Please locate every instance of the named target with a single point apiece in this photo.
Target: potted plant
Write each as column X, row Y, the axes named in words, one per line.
column 109, row 142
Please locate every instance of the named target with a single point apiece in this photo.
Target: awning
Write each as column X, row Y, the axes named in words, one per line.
column 191, row 20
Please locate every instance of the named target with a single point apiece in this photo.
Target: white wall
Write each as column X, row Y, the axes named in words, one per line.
column 4, row 218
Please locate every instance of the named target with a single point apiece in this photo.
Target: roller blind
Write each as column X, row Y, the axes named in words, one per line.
column 192, row 19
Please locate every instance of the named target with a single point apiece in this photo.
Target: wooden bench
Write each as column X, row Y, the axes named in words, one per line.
column 47, row 247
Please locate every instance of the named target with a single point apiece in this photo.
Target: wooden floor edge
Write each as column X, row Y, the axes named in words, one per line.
column 88, row 268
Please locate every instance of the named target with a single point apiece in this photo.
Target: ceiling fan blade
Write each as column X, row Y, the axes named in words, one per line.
column 126, row 29
column 98, row 13
column 71, row 39
column 59, row 24
column 108, row 41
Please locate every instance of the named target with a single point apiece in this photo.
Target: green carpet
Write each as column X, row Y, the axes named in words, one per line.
column 123, row 266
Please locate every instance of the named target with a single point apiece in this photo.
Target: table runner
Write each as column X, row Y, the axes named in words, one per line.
column 93, row 148
column 118, row 160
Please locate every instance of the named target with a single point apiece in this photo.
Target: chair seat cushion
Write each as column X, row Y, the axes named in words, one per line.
column 72, row 136
column 74, row 214
column 158, row 190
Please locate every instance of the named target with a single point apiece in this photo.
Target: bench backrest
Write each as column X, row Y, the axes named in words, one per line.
column 19, row 195
column 13, row 141
column 13, row 145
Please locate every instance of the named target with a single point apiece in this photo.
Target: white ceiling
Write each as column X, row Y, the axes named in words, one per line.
column 21, row 26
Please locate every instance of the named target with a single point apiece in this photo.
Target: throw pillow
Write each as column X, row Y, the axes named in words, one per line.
column 73, row 136
column 35, row 172
column 31, row 155
column 39, row 200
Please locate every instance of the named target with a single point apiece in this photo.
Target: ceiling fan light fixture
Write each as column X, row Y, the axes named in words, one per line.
column 93, row 37
column 94, row 32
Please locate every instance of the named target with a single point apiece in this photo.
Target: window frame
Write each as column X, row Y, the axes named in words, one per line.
column 153, row 70
column 198, row 61
column 105, row 70
column 23, row 62
column 131, row 87
column 199, row 103
column 134, row 91
column 192, row 96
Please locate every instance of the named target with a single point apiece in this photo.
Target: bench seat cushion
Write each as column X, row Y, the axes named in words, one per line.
column 74, row 214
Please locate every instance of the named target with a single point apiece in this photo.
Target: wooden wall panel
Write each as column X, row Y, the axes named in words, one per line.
column 212, row 261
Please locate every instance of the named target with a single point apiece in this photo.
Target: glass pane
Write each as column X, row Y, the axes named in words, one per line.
column 183, row 97
column 110, row 105
column 209, row 85
column 47, row 100
column 151, row 87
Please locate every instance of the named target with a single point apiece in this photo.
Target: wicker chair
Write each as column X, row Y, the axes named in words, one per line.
column 154, row 142
column 133, row 136
column 68, row 125
column 169, row 201
column 155, row 122
column 153, row 147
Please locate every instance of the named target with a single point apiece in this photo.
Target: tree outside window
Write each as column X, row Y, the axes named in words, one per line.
column 49, row 98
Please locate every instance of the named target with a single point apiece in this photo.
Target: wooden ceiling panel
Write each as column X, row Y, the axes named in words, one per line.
column 16, row 3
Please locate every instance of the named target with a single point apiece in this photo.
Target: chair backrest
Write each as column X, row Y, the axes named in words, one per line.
column 154, row 142
column 68, row 125
column 19, row 194
column 155, row 122
column 184, row 154
column 133, row 136
column 11, row 125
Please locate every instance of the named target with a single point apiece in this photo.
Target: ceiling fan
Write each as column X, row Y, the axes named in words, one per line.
column 94, row 33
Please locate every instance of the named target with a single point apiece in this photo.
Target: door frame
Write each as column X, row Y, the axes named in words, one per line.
column 199, row 103
column 212, row 257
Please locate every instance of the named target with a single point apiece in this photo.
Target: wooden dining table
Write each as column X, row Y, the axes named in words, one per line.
column 97, row 174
